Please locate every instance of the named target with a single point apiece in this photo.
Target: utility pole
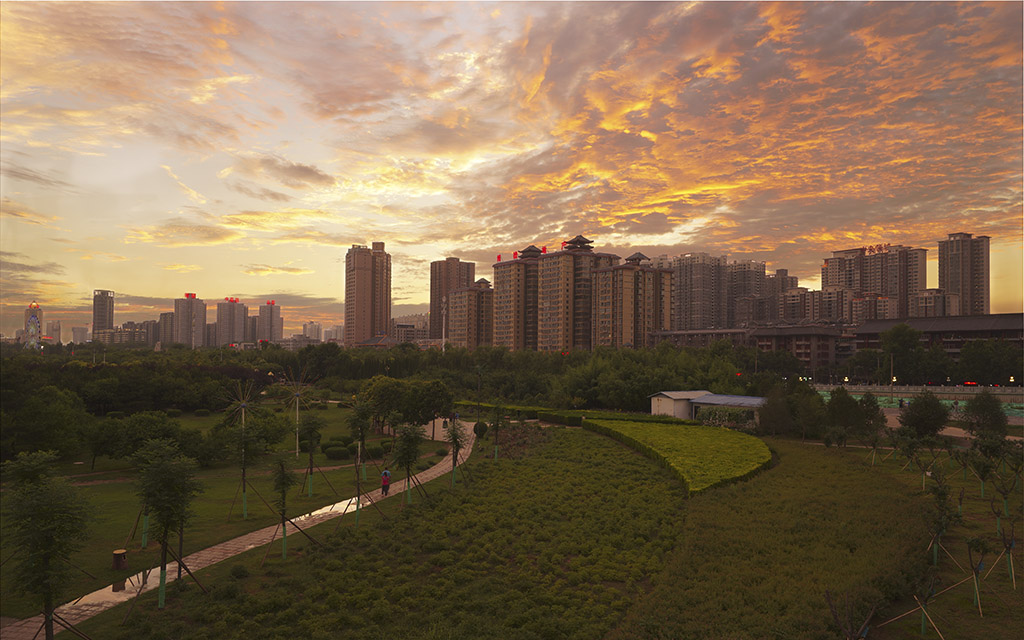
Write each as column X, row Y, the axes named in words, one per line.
column 892, row 378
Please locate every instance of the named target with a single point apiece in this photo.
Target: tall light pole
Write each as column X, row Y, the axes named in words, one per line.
column 444, row 323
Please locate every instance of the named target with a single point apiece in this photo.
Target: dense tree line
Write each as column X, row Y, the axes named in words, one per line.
column 47, row 399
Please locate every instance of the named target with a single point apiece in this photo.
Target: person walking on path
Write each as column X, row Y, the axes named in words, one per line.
column 385, row 481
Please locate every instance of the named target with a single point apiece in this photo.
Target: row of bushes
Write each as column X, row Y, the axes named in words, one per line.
column 568, row 417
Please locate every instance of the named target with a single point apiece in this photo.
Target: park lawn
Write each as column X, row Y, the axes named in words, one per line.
column 115, row 507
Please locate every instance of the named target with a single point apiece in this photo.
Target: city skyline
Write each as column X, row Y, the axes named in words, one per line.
column 239, row 149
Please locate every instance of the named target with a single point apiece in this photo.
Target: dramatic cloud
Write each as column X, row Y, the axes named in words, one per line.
column 265, row 270
column 290, row 174
column 182, row 233
column 775, row 131
column 11, row 209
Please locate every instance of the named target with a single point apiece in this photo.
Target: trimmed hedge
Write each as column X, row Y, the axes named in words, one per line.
column 562, row 416
column 337, row 453
column 701, row 457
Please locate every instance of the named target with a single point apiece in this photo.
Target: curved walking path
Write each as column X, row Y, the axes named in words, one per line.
column 98, row 601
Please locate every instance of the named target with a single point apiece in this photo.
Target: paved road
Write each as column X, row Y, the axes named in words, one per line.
column 91, row 604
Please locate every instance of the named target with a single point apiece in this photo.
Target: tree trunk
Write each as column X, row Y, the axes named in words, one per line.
column 48, row 614
column 163, row 570
column 309, row 491
column 245, row 506
column 181, row 545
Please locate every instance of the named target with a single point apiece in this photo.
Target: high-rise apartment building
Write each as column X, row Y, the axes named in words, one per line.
column 53, row 331
column 269, row 324
column 964, row 271
column 631, row 302
column 934, row 303
column 189, row 321
column 744, row 279
column 165, row 328
column 565, row 295
column 698, row 291
column 471, row 315
column 367, row 293
column 893, row 271
column 446, row 276
column 231, row 318
column 79, row 335
column 515, row 299
column 102, row 310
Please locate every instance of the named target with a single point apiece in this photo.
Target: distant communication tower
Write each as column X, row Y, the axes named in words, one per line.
column 33, row 325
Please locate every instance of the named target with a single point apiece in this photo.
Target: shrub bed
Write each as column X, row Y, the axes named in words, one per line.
column 702, row 457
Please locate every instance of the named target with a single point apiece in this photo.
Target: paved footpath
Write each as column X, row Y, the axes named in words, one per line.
column 98, row 601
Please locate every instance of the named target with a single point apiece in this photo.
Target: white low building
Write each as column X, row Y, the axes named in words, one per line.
column 687, row 404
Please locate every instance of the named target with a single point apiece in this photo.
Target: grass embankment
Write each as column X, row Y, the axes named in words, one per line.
column 114, row 508
column 579, row 539
column 703, row 457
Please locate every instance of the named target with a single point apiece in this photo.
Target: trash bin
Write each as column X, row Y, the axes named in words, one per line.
column 118, row 586
column 120, row 559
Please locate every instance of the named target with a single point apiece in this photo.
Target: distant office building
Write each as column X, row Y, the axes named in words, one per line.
column 565, row 295
column 53, row 331
column 964, row 271
column 211, row 334
column 231, row 318
column 269, row 326
column 165, row 328
column 33, row 324
column 515, row 299
column 471, row 315
column 313, row 330
column 189, row 321
column 631, row 302
column 79, row 335
column 446, row 276
column 102, row 310
column 407, row 332
column 367, row 293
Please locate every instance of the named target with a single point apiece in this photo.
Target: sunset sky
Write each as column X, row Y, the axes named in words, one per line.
column 239, row 149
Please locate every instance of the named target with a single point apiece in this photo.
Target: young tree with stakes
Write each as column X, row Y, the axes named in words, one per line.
column 167, row 484
column 406, row 452
column 45, row 521
column 310, row 428
column 284, row 480
column 455, row 435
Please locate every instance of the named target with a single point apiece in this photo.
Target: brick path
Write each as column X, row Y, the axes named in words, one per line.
column 98, row 601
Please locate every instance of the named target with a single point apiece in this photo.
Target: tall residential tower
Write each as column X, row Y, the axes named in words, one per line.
column 367, row 293
column 445, row 277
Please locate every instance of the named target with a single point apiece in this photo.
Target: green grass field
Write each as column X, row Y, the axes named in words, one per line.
column 583, row 538
column 115, row 509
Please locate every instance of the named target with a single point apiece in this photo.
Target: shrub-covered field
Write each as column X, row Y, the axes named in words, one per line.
column 757, row 556
column 547, row 546
column 703, row 456
column 582, row 538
